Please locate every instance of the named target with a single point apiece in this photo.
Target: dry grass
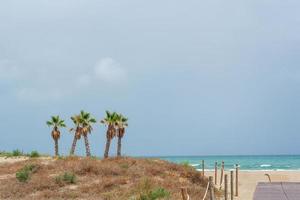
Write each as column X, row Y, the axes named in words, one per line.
column 110, row 179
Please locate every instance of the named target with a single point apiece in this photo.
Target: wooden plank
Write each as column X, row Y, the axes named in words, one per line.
column 277, row 191
column 292, row 190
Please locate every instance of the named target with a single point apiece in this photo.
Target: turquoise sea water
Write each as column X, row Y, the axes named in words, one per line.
column 274, row 162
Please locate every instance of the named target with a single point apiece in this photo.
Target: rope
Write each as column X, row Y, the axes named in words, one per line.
column 206, row 191
column 269, row 177
column 285, row 194
column 207, row 187
column 184, row 194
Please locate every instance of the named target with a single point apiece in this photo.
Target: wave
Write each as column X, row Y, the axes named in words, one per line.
column 265, row 165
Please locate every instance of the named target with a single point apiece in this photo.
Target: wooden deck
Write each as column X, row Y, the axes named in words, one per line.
column 277, row 191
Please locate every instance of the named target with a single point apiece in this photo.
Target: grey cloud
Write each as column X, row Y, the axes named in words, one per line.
column 38, row 84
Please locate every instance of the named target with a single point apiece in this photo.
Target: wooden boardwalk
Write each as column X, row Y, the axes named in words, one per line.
column 277, row 191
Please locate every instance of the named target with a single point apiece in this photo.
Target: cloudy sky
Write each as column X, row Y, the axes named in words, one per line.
column 194, row 77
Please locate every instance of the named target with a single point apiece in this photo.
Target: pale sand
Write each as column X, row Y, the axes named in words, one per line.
column 4, row 160
column 249, row 179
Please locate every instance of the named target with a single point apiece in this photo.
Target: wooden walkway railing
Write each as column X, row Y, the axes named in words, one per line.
column 212, row 184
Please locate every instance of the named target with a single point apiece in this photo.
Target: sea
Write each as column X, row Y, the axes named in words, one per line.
column 245, row 162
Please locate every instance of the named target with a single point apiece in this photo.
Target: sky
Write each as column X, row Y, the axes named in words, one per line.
column 194, row 77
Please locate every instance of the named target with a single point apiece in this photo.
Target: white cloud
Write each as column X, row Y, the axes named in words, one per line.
column 110, row 71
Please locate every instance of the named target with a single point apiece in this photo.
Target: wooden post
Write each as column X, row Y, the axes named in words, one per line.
column 226, row 186
column 237, row 180
column 222, row 174
column 202, row 167
column 211, row 188
column 184, row 193
column 216, row 172
column 231, row 185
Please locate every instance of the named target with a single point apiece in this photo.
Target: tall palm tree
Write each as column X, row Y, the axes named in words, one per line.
column 77, row 132
column 110, row 122
column 121, row 124
column 56, row 123
column 86, row 124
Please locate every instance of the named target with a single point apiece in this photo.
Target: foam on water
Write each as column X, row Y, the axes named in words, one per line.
column 265, row 165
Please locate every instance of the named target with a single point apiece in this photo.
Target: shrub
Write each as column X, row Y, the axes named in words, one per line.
column 94, row 158
column 124, row 165
column 60, row 157
column 24, row 174
column 159, row 193
column 67, row 177
column 185, row 163
column 5, row 154
column 34, row 154
column 155, row 194
column 17, row 152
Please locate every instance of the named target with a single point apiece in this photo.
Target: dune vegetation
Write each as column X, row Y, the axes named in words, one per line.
column 120, row 178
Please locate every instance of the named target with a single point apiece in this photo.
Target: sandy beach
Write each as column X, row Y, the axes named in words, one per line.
column 249, row 179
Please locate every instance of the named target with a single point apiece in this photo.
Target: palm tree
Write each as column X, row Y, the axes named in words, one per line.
column 57, row 123
column 77, row 132
column 86, row 123
column 121, row 124
column 110, row 122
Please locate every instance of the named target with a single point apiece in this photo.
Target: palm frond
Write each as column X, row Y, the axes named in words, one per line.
column 64, row 125
column 93, row 120
column 53, row 118
column 49, row 123
column 108, row 114
column 86, row 115
column 82, row 112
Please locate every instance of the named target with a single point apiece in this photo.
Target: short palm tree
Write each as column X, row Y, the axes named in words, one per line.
column 56, row 123
column 121, row 125
column 77, row 132
column 86, row 123
column 110, row 121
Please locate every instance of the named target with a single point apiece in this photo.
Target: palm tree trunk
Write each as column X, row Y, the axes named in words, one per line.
column 73, row 145
column 87, row 146
column 107, row 147
column 119, row 146
column 56, row 147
